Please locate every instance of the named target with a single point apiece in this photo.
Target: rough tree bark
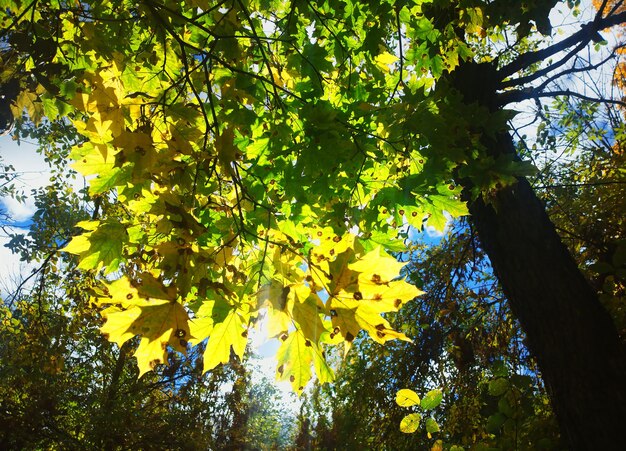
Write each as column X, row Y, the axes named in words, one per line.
column 580, row 355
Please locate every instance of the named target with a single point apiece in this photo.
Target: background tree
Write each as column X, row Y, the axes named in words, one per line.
column 585, row 194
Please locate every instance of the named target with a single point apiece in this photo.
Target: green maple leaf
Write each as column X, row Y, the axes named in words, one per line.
column 453, row 206
column 437, row 220
column 99, row 159
column 101, row 247
column 447, row 200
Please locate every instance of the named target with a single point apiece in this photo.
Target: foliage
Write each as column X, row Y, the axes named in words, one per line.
column 467, row 341
column 411, row 422
column 271, row 424
column 212, row 131
column 63, row 386
column 619, row 73
column 256, row 157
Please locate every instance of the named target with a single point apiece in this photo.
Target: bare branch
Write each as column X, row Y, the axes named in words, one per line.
column 586, row 68
column 540, row 73
column 586, row 34
column 528, row 93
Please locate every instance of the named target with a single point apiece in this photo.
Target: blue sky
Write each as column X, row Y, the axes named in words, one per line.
column 33, row 173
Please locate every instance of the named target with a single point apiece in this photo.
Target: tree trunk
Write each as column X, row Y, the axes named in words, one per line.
column 580, row 355
column 572, row 337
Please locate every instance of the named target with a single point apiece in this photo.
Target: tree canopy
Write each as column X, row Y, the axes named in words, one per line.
column 252, row 158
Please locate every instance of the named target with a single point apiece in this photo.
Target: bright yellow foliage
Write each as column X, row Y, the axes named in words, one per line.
column 159, row 322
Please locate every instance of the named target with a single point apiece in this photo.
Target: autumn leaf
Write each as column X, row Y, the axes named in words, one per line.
column 306, row 310
column 232, row 147
column 361, row 291
column 278, row 300
column 160, row 323
column 407, row 398
column 385, row 61
column 93, row 159
column 29, row 101
column 410, row 423
column 99, row 160
column 289, row 308
column 294, row 359
column 377, row 266
column 229, row 334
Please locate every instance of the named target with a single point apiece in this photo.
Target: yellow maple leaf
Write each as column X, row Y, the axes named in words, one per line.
column 29, row 101
column 138, row 149
column 160, row 322
column 210, row 312
column 92, row 158
column 278, row 300
column 330, row 244
column 294, row 360
column 385, row 60
column 305, row 312
column 361, row 289
column 230, row 333
column 377, row 264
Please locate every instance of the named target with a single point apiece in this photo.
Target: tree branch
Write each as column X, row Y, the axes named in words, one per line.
column 575, row 185
column 540, row 73
column 586, row 34
column 528, row 93
column 575, row 69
